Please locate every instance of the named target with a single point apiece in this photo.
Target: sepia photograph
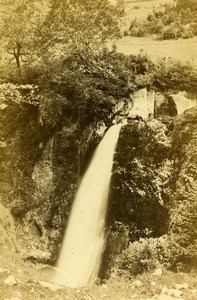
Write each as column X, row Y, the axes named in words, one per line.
column 98, row 149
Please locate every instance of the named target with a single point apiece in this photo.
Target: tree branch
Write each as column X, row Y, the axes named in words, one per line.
column 12, row 53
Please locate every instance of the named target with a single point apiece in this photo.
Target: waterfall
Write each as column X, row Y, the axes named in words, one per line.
column 82, row 248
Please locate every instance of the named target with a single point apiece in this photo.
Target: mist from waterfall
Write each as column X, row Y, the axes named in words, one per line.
column 83, row 244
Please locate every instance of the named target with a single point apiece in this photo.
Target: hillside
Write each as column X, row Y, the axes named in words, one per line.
column 184, row 50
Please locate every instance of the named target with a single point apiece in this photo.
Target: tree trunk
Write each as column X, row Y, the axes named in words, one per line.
column 17, row 54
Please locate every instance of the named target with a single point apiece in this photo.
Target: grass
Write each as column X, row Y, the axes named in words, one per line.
column 31, row 285
column 177, row 49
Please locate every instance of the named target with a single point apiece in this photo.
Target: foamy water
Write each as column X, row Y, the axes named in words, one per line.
column 82, row 248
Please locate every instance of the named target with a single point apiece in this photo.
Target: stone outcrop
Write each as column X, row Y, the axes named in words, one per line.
column 143, row 103
column 148, row 104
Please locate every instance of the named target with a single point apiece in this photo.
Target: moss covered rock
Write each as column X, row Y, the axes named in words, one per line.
column 139, row 191
column 183, row 211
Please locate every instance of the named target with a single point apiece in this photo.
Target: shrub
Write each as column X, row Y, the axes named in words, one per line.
column 137, row 29
column 169, row 34
column 171, row 75
column 149, row 253
column 126, row 33
column 136, row 7
column 137, row 259
column 193, row 29
column 155, row 27
column 188, row 33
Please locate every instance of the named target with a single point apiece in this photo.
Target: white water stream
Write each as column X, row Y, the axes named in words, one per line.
column 82, row 248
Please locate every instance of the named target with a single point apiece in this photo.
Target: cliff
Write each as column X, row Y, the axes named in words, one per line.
column 153, row 188
column 183, row 206
column 39, row 170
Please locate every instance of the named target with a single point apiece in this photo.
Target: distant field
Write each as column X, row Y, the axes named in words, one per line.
column 185, row 50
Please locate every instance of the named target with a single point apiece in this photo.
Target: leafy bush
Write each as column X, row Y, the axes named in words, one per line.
column 171, row 75
column 148, row 254
column 193, row 29
column 137, row 259
column 137, row 29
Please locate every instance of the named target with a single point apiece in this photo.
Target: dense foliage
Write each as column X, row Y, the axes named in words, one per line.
column 166, row 22
column 83, row 25
column 138, row 193
column 183, row 216
column 86, row 90
column 177, row 248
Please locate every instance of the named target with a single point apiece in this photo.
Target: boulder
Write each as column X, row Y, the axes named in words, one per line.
column 158, row 272
column 10, row 280
column 137, row 284
column 181, row 286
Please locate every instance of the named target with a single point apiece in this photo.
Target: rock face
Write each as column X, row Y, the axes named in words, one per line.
column 165, row 106
column 146, row 104
column 183, row 212
column 39, row 171
column 138, row 196
column 184, row 101
column 143, row 103
column 154, row 183
column 20, row 137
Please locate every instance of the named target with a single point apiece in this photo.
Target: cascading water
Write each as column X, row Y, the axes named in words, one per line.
column 83, row 243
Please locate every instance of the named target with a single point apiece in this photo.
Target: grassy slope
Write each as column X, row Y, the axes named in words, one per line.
column 31, row 284
column 184, row 50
